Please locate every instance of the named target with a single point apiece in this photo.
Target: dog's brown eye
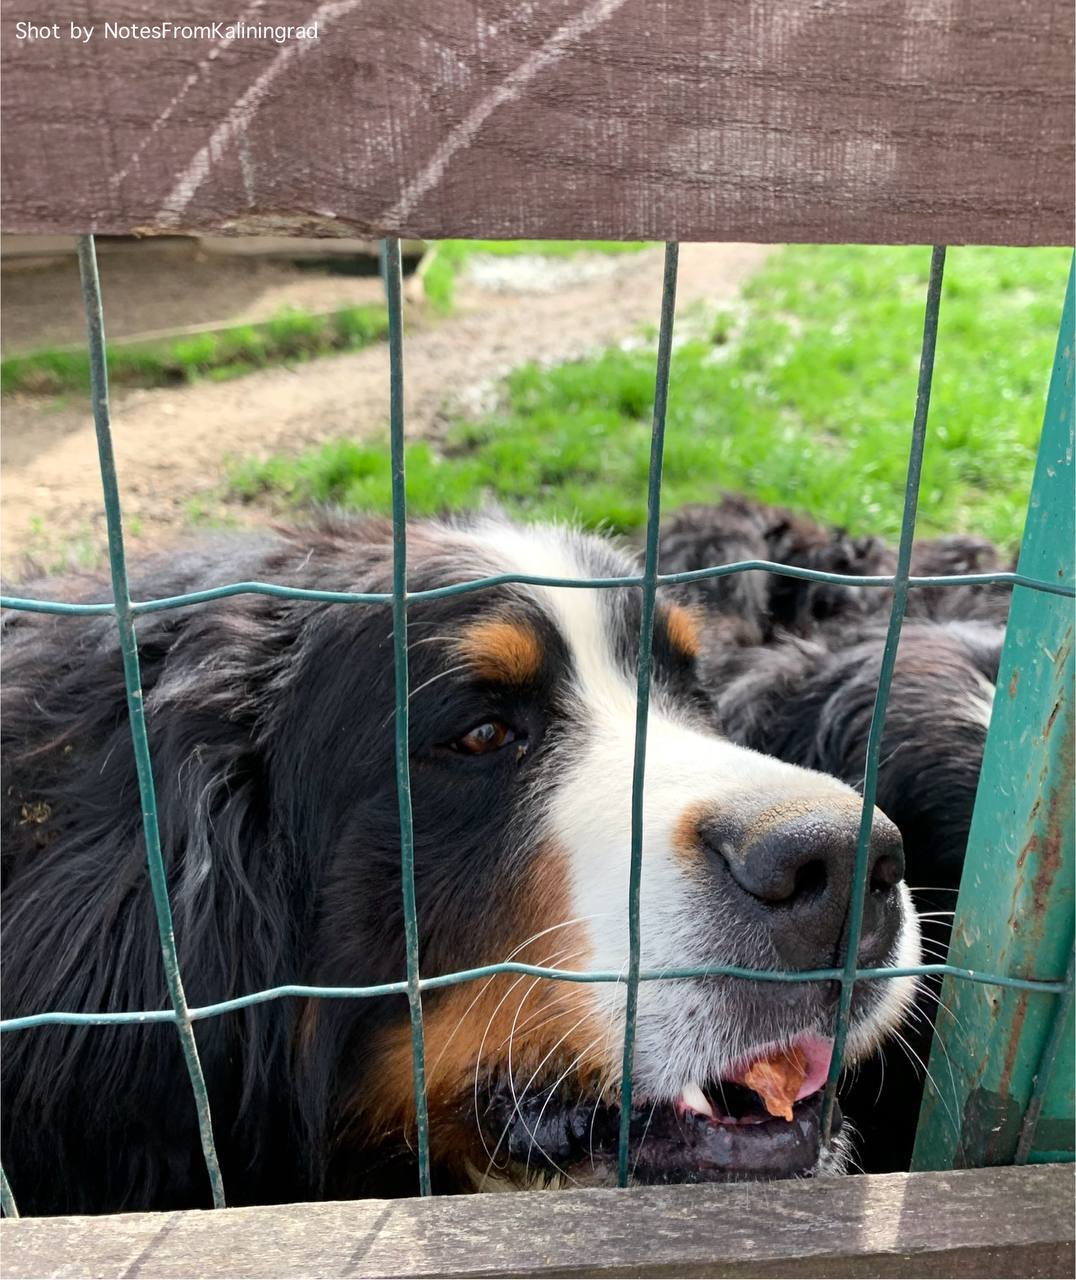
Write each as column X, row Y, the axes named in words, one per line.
column 491, row 735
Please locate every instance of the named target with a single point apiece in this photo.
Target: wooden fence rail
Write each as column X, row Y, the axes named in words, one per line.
column 926, row 121
column 974, row 1222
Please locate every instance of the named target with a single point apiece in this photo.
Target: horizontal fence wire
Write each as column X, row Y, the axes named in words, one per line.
column 1002, row 578
column 127, row 610
column 642, row 702
column 885, row 680
column 69, row 1017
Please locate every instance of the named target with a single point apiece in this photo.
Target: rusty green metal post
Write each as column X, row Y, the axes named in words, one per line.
column 996, row 1050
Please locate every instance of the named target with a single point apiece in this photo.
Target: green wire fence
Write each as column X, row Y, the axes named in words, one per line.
column 414, row 985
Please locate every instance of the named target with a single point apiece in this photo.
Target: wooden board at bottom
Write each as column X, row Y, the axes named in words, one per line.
column 972, row 1222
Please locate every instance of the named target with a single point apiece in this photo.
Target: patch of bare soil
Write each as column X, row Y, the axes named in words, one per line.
column 153, row 287
column 172, row 444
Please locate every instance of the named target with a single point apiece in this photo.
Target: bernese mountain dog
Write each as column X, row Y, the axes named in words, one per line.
column 270, row 723
column 791, row 668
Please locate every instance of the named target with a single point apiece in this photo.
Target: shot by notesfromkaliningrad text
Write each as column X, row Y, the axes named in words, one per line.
column 83, row 33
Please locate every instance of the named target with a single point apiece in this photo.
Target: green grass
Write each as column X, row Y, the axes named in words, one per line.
column 217, row 355
column 49, row 553
column 448, row 258
column 801, row 394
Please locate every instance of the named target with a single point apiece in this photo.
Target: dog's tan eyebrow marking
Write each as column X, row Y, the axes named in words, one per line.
column 682, row 625
column 508, row 652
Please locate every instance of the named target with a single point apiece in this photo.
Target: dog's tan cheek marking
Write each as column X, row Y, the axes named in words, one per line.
column 533, row 1013
column 502, row 651
column 682, row 625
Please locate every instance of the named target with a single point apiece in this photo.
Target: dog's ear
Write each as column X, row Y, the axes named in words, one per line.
column 206, row 698
column 208, row 678
column 80, row 924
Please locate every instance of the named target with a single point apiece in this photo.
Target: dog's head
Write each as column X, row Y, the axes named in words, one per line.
column 272, row 731
column 522, row 732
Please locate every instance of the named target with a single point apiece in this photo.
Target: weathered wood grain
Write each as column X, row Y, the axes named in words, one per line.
column 763, row 120
column 982, row 1222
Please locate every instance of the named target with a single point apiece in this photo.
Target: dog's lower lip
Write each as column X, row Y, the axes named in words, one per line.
column 668, row 1144
column 669, row 1147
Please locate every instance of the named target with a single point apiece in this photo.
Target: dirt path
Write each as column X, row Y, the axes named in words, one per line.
column 171, row 444
column 155, row 286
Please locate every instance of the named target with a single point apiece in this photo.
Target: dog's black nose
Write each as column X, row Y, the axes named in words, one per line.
column 796, row 863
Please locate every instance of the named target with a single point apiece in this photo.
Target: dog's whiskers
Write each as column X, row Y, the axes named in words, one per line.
column 610, row 1024
column 881, row 1074
column 554, row 956
column 413, row 644
column 918, row 1062
column 511, row 1085
column 646, row 1130
column 549, row 1097
column 958, row 1022
column 546, row 1016
column 534, row 937
column 485, row 1033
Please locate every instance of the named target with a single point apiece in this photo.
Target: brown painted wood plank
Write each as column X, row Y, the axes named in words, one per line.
column 977, row 1222
column 762, row 120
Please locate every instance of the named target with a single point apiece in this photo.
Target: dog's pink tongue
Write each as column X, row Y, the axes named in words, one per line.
column 782, row 1076
column 818, row 1052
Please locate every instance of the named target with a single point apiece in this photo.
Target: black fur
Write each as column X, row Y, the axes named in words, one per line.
column 764, row 606
column 271, row 732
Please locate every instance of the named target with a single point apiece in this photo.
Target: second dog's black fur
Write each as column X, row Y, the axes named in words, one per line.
column 791, row 667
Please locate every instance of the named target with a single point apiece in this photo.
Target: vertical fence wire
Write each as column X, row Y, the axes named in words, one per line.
column 95, row 326
column 390, row 264
column 7, row 1200
column 885, row 678
column 642, row 708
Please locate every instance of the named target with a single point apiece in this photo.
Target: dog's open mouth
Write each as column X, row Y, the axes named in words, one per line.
column 760, row 1120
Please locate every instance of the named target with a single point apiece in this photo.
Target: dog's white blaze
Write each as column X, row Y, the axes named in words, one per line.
column 686, row 766
column 546, row 551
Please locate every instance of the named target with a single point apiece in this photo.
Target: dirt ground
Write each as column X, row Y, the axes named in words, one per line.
column 162, row 286
column 172, row 443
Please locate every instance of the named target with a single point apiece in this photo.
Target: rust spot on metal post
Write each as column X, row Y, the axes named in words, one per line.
column 1052, row 855
column 1031, row 847
column 1051, row 718
column 1016, row 1027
